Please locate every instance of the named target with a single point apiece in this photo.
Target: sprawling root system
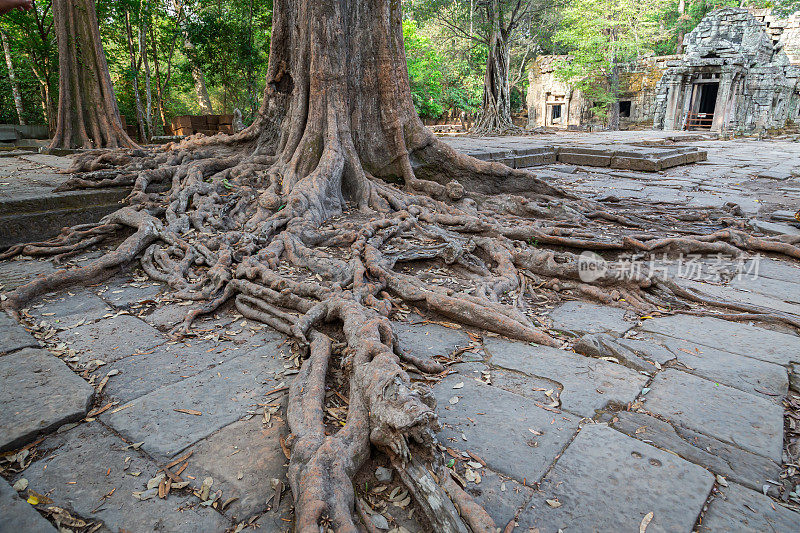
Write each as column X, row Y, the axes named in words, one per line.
column 350, row 202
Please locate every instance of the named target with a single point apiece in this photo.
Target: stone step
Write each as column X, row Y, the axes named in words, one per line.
column 37, row 218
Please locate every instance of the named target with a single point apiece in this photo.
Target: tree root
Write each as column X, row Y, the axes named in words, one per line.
column 307, row 243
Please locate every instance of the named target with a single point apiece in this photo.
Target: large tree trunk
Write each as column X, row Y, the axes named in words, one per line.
column 12, row 77
column 88, row 116
column 495, row 115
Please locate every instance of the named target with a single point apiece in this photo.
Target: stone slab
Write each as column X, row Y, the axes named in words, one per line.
column 428, row 340
column 787, row 291
column 733, row 463
column 607, row 481
column 18, row 272
column 736, row 508
column 728, row 293
column 74, row 472
column 66, row 309
column 250, row 449
column 744, row 373
column 748, row 421
column 495, row 425
column 122, row 294
column 581, row 318
column 112, row 339
column 39, row 393
column 13, row 336
column 163, row 365
column 587, row 384
column 223, row 395
column 18, row 516
column 735, row 337
column 499, row 495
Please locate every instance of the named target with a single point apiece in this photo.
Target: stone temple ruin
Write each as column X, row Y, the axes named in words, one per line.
column 740, row 72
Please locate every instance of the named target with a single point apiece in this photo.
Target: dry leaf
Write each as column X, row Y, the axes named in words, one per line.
column 646, row 522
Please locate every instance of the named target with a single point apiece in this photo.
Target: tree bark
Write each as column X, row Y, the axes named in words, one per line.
column 12, row 77
column 148, row 91
column 88, row 116
column 613, row 108
column 495, row 115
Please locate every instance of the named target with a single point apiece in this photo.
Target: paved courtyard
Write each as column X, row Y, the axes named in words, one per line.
column 665, row 422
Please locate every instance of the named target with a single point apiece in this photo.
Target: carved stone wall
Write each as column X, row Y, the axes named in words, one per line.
column 754, row 61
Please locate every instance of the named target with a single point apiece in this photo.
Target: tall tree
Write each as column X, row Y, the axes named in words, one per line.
column 88, row 116
column 12, row 78
column 498, row 26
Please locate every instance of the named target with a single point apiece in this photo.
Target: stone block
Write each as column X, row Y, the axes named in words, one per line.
column 727, row 460
column 744, row 373
column 18, row 516
column 607, row 481
column 249, row 449
column 750, row 422
column 581, row 318
column 85, row 470
column 512, row 434
column 16, row 273
column 736, row 508
column 499, row 495
column 428, row 340
column 112, row 339
column 223, row 395
column 735, row 337
column 65, row 310
column 587, row 384
column 582, row 157
column 39, row 393
column 13, row 336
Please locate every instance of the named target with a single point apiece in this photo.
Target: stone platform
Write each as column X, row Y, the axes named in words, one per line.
column 625, row 156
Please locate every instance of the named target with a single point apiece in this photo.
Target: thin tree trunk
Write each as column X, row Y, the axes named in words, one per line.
column 148, row 92
column 88, row 116
column 12, row 77
column 47, row 101
column 613, row 110
column 203, row 100
column 159, row 90
column 681, row 12
column 135, row 73
column 495, row 114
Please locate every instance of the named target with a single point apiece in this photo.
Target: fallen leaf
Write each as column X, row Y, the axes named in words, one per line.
column 646, row 522
column 459, row 385
column 454, row 400
column 188, row 412
column 722, row 481
column 553, row 503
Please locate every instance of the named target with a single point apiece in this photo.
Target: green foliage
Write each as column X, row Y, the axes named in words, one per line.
column 424, row 71
column 603, row 36
column 438, row 83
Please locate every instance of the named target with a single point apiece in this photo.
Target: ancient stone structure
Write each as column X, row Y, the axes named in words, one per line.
column 552, row 102
column 739, row 73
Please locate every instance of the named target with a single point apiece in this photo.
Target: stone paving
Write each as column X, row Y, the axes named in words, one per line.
column 663, row 423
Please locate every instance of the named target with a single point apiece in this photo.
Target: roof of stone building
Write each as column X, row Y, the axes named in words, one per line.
column 747, row 37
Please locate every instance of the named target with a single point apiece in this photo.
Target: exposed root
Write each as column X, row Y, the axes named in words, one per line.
column 301, row 235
